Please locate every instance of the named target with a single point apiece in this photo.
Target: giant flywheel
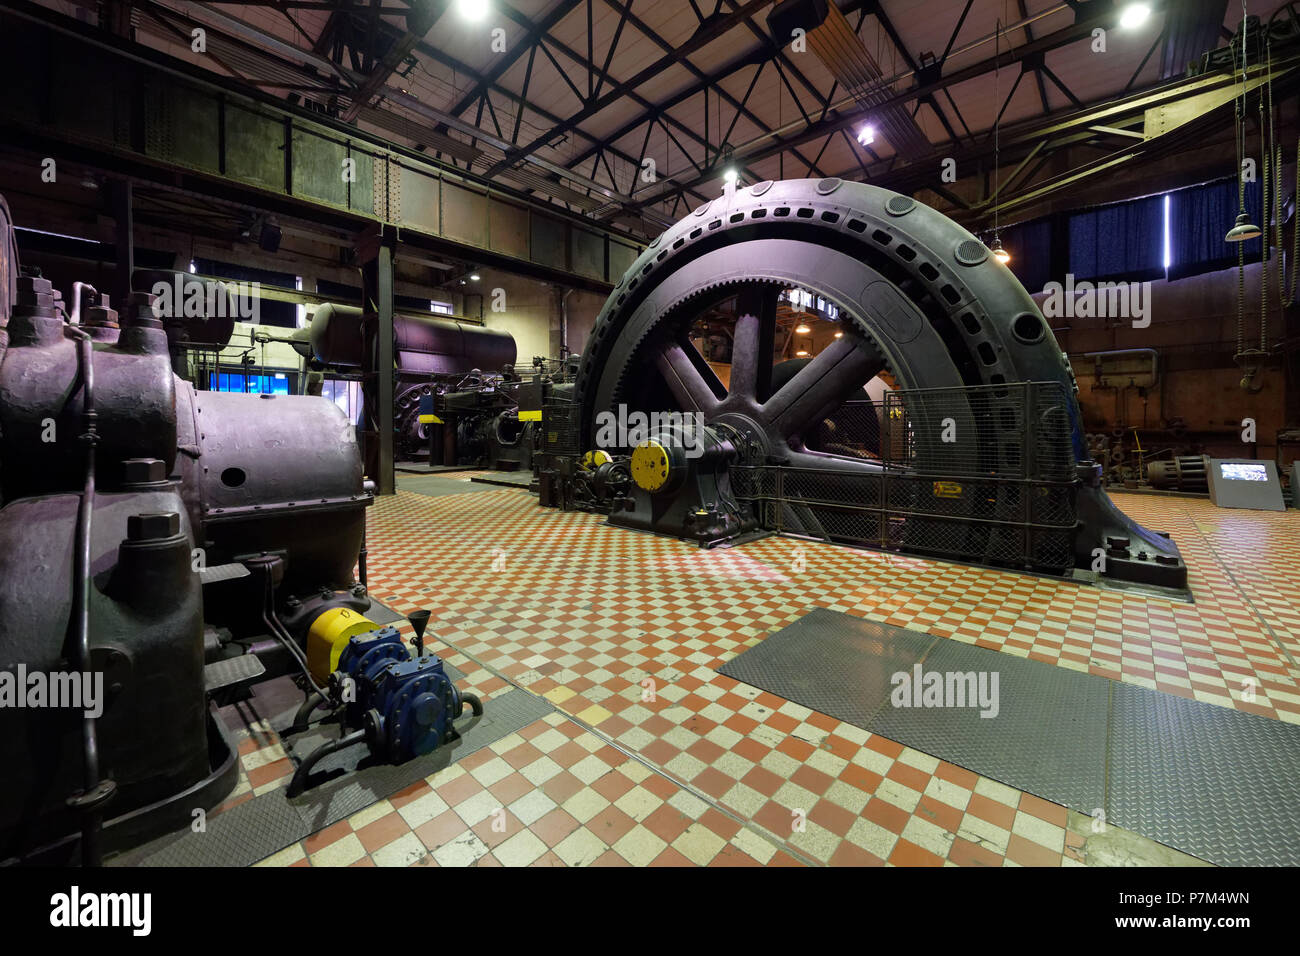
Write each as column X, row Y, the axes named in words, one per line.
column 978, row 452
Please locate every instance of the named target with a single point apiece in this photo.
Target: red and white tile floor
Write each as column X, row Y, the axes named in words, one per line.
column 655, row 758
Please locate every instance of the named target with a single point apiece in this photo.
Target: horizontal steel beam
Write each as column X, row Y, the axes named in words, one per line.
column 294, row 155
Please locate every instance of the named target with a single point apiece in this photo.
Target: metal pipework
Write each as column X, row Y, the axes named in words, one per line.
column 1149, row 377
column 95, row 792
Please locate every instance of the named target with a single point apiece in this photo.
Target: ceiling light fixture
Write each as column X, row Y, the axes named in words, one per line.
column 999, row 253
column 839, row 335
column 801, row 329
column 866, row 135
column 474, row 277
column 472, row 10
column 802, row 353
column 730, row 175
column 1134, row 15
column 1243, row 230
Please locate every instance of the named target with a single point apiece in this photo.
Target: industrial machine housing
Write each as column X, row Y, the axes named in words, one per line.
column 918, row 297
column 184, row 545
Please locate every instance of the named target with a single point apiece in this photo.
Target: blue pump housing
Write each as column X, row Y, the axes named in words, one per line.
column 407, row 705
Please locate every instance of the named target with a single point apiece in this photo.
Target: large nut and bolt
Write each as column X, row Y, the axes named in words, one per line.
column 140, row 471
column 153, row 526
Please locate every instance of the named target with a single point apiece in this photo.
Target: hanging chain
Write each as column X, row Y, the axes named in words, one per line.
column 1286, row 290
column 1266, row 177
column 1241, row 201
column 997, row 142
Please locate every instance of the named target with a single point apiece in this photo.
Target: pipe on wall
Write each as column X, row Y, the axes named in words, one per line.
column 564, row 322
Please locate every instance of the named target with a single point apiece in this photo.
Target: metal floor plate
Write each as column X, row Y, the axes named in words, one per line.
column 505, row 479
column 1213, row 782
column 382, row 613
column 435, row 486
column 1216, row 783
column 1048, row 737
column 834, row 663
column 256, row 828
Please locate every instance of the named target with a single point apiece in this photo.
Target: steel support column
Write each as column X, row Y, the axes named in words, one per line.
column 120, row 196
column 375, row 251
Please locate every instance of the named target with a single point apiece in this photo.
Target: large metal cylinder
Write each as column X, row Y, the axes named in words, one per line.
column 147, row 638
column 423, row 344
column 201, row 312
column 275, row 472
column 183, row 481
column 1187, row 473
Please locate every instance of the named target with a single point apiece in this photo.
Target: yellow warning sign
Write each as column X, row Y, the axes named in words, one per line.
column 947, row 489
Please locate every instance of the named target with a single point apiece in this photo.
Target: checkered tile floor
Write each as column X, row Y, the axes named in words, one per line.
column 655, row 758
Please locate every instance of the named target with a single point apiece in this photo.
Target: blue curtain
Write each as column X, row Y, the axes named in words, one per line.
column 1200, row 217
column 1030, row 246
column 1123, row 241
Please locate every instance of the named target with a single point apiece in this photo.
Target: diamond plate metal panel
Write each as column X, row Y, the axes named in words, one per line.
column 332, row 801
column 382, row 613
column 1216, row 783
column 232, row 670
column 222, row 572
column 240, row 836
column 256, row 828
column 435, row 486
column 834, row 663
column 1048, row 736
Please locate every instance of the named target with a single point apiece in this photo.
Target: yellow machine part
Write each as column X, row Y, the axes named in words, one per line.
column 650, row 465
column 594, row 459
column 328, row 636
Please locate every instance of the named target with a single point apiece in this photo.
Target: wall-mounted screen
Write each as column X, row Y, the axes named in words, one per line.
column 1236, row 471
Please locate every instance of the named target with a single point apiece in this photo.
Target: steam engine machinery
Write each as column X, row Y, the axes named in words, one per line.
column 492, row 421
column 168, row 547
column 434, row 356
column 977, row 454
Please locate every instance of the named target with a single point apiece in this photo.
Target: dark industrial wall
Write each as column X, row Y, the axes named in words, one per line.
column 1194, row 331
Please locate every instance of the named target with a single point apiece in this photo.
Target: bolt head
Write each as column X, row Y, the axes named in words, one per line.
column 153, row 525
column 34, row 285
column 137, row 471
column 142, row 306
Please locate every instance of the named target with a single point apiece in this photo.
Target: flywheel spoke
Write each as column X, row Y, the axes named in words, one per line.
column 821, row 386
column 751, row 353
column 695, row 386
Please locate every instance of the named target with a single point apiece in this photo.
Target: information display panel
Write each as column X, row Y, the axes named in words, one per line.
column 1245, row 483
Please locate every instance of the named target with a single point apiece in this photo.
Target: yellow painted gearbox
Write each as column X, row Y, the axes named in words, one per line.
column 328, row 635
column 650, row 465
column 594, row 459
